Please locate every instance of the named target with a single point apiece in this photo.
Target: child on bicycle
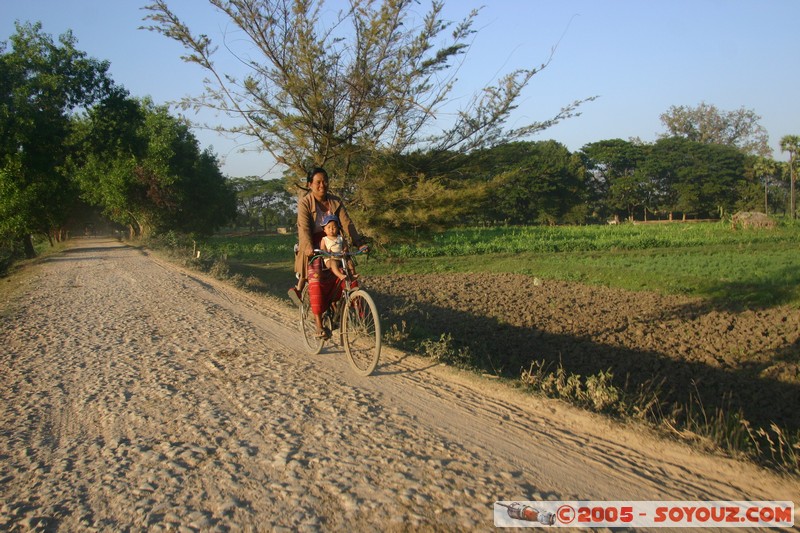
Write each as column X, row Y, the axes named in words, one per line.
column 333, row 242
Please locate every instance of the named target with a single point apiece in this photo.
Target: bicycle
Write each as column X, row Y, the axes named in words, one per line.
column 354, row 314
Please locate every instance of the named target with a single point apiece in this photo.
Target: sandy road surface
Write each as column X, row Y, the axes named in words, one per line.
column 136, row 395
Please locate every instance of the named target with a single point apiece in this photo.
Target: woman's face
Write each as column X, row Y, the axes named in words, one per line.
column 319, row 186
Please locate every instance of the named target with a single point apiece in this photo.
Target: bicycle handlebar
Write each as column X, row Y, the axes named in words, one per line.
column 338, row 255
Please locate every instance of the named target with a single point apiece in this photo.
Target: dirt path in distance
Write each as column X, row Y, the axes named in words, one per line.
column 137, row 395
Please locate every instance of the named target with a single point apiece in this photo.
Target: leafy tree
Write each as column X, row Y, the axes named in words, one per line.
column 708, row 125
column 532, row 182
column 41, row 84
column 353, row 92
column 429, row 198
column 631, row 192
column 206, row 201
column 145, row 168
column 791, row 144
column 615, row 185
column 750, row 192
column 695, row 178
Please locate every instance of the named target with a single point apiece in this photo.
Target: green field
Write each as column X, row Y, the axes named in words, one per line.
column 737, row 268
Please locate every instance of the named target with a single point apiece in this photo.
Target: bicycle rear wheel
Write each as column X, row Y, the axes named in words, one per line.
column 308, row 325
column 361, row 333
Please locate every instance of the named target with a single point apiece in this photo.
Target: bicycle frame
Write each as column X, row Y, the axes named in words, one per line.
column 353, row 313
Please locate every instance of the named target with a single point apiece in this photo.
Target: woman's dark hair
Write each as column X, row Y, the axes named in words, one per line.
column 314, row 171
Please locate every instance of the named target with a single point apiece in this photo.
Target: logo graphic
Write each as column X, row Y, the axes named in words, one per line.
column 519, row 511
column 649, row 514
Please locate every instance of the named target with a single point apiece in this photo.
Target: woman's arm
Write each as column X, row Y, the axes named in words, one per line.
column 305, row 225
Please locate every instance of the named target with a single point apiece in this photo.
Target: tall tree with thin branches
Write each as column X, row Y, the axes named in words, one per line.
column 338, row 89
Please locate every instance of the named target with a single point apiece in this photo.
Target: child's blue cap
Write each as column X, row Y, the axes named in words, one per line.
column 329, row 218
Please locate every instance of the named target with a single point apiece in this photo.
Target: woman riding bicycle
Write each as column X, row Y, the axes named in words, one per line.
column 311, row 211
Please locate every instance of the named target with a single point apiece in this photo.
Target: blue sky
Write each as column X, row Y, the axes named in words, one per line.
column 639, row 56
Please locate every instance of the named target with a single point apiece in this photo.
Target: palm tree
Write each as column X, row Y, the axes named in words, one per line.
column 791, row 144
column 764, row 168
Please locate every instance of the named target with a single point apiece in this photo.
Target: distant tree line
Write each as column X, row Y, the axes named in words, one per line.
column 544, row 183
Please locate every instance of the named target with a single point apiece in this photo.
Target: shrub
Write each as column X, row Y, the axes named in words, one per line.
column 443, row 351
column 596, row 393
column 220, row 269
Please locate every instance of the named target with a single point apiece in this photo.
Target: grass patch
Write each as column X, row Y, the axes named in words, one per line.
column 736, row 269
column 255, row 249
column 742, row 268
column 559, row 239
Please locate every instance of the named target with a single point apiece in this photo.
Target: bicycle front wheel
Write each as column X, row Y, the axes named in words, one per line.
column 308, row 325
column 361, row 333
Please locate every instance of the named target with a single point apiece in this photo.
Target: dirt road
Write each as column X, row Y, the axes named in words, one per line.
column 136, row 395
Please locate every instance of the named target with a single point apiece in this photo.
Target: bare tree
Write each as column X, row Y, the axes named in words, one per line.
column 709, row 125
